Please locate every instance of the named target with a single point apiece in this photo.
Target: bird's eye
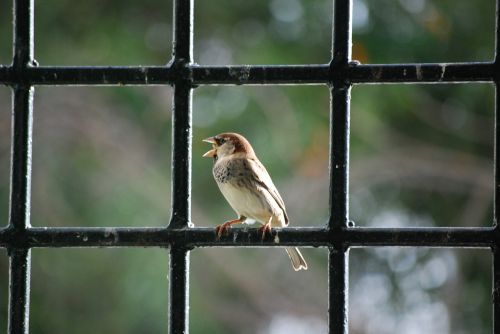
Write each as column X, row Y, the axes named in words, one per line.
column 221, row 141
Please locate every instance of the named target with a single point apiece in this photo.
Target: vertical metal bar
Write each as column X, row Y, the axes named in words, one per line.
column 182, row 114
column 181, row 210
column 23, row 33
column 339, row 115
column 339, row 167
column 339, row 156
column 496, row 290
column 342, row 36
column 21, row 152
column 19, row 286
column 181, row 156
column 183, row 30
column 496, row 194
column 338, row 297
column 20, row 187
column 496, row 213
column 497, row 31
column 496, row 208
column 339, row 174
column 179, row 292
column 19, row 217
column 181, row 164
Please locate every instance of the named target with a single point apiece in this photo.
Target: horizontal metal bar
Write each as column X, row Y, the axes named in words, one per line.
column 422, row 73
column 476, row 237
column 143, row 75
column 91, row 75
column 258, row 74
column 482, row 237
column 250, row 74
column 156, row 237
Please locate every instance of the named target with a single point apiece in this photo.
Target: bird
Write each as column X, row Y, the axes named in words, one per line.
column 248, row 188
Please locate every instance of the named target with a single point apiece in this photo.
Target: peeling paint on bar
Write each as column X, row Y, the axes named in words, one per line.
column 111, row 232
column 418, row 72
column 443, row 72
column 240, row 73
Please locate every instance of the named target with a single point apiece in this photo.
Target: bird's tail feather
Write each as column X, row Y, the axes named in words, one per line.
column 297, row 259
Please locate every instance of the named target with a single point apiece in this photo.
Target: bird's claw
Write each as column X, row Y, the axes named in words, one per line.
column 266, row 228
column 220, row 229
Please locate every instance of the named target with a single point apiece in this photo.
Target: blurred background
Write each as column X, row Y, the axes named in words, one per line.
column 421, row 155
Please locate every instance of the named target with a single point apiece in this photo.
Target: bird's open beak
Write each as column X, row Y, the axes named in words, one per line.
column 213, row 152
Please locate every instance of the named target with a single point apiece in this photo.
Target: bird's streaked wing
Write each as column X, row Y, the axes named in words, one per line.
column 262, row 177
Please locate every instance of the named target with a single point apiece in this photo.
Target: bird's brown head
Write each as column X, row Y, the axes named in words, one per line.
column 229, row 144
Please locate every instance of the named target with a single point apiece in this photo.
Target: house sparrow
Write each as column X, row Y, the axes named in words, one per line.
column 248, row 188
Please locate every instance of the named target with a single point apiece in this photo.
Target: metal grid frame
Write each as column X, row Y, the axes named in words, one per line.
column 184, row 75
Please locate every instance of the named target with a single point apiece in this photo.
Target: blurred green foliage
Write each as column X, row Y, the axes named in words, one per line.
column 421, row 155
column 387, row 31
column 135, row 292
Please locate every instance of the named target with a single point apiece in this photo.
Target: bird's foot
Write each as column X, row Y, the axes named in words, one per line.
column 222, row 228
column 266, row 228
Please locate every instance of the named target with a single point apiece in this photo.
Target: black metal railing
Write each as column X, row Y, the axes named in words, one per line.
column 184, row 75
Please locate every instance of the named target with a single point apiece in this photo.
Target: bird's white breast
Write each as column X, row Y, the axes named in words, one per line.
column 255, row 205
